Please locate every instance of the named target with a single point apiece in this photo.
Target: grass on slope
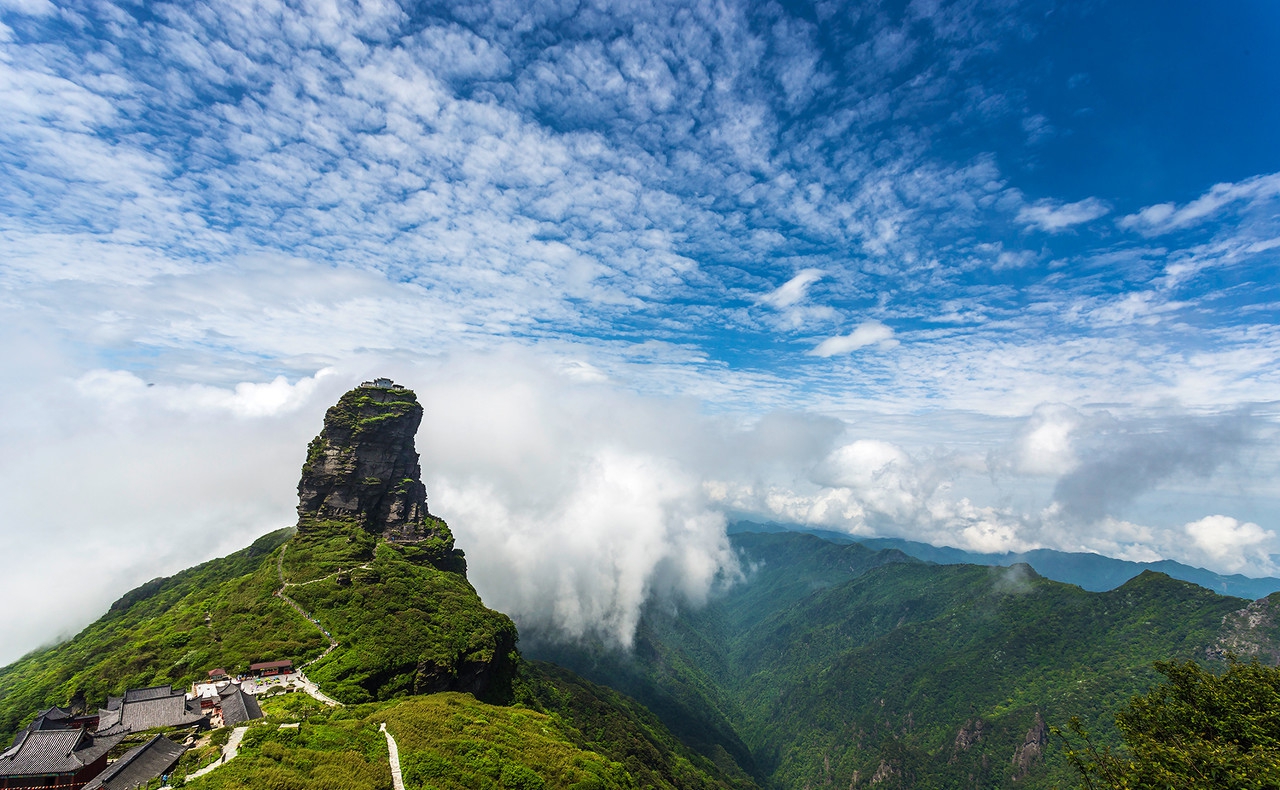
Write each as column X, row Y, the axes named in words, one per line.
column 407, row 627
column 452, row 741
column 170, row 630
column 330, row 749
column 404, row 625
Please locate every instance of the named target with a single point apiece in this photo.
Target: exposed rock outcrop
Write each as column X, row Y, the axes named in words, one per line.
column 363, row 467
column 967, row 736
column 883, row 772
column 1251, row 632
column 1032, row 749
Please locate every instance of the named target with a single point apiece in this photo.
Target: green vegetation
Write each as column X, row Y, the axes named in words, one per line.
column 171, row 630
column 404, row 626
column 325, row 547
column 1196, row 731
column 407, row 627
column 452, row 742
column 835, row 661
column 363, row 408
column 334, row 749
column 624, row 731
column 448, row 741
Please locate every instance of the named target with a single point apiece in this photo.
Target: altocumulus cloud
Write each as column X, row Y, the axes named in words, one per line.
column 864, row 334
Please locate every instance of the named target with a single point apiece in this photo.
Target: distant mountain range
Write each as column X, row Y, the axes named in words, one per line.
column 836, row 664
column 1092, row 572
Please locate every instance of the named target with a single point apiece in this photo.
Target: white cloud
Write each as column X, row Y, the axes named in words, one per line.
column 865, row 334
column 1164, row 217
column 1234, row 546
column 30, row 7
column 1044, row 444
column 793, row 290
column 1147, row 307
column 120, row 388
column 1054, row 216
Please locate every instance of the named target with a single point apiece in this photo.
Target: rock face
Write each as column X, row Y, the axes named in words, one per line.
column 1032, row 748
column 1252, row 632
column 363, row 466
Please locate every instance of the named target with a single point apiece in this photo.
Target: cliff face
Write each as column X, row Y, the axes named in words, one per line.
column 380, row 572
column 363, row 467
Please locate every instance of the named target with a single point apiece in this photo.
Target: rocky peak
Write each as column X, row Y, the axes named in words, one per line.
column 363, row 466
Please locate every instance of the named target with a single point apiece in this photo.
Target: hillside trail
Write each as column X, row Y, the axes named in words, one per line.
column 308, row 686
column 397, row 779
column 228, row 753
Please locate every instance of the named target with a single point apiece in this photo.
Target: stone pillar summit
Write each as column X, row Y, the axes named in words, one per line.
column 363, row 466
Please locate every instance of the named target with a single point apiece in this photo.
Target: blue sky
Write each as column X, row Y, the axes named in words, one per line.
column 1004, row 273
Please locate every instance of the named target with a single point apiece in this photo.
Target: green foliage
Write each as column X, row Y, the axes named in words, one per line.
column 172, row 630
column 315, row 451
column 447, row 741
column 404, row 626
column 408, row 628
column 1196, row 731
column 322, row 547
column 333, row 750
column 365, row 407
column 623, row 730
column 835, row 659
column 291, row 706
column 452, row 742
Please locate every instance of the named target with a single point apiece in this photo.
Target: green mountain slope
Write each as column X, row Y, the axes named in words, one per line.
column 170, row 630
column 836, row 663
column 574, row 736
column 370, row 593
column 403, row 626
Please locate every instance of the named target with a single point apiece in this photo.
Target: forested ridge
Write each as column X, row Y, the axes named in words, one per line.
column 837, row 663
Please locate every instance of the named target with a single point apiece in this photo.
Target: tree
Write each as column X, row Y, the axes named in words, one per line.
column 1198, row 730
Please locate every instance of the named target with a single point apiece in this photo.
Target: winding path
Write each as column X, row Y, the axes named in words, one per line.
column 307, row 685
column 228, row 753
column 397, row 780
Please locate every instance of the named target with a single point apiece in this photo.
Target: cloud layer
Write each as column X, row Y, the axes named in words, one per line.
column 653, row 265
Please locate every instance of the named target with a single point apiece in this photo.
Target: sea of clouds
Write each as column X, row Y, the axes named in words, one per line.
column 575, row 498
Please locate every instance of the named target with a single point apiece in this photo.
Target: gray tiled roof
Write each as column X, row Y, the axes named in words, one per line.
column 114, row 703
column 139, row 765
column 48, row 719
column 108, row 718
column 238, row 707
column 54, row 752
column 160, row 712
column 151, row 692
column 171, row 711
